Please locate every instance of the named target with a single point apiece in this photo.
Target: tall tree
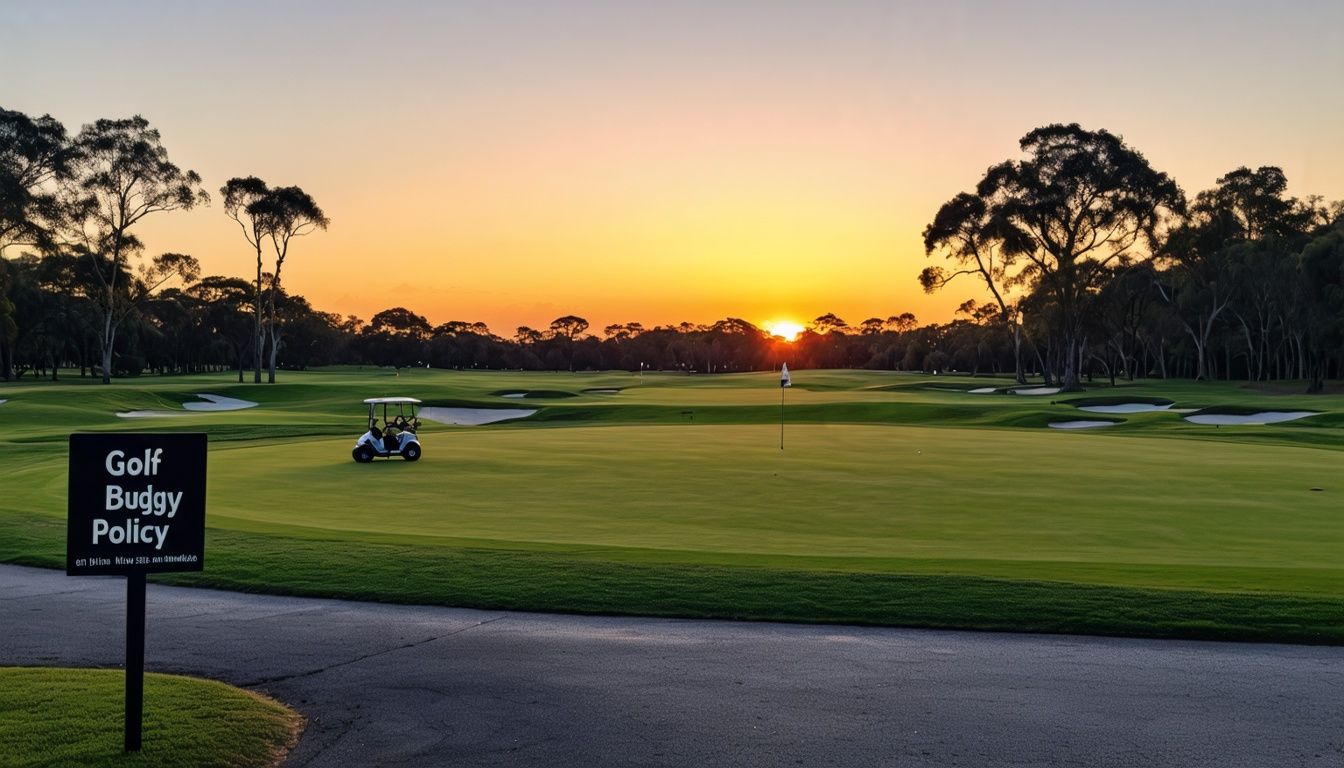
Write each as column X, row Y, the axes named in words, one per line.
column 34, row 156
column 1210, row 254
column 241, row 198
column 967, row 234
column 122, row 174
column 1322, row 291
column 225, row 300
column 564, row 331
column 285, row 213
column 1079, row 202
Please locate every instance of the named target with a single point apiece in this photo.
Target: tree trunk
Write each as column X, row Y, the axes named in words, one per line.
column 260, row 346
column 1018, row 375
column 1070, row 381
column 108, row 336
column 275, row 349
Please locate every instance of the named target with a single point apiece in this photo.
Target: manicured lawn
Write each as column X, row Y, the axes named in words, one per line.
column 897, row 500
column 73, row 717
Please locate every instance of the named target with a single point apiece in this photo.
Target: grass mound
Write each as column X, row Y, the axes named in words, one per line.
column 540, row 394
column 73, row 717
column 1238, row 410
column 1087, row 402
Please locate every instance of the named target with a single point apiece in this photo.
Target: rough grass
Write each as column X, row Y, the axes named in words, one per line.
column 73, row 717
column 891, row 504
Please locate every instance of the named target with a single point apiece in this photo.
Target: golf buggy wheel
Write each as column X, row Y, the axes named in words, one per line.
column 363, row 454
column 411, row 452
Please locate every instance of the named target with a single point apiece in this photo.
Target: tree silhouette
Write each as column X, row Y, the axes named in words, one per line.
column 1207, row 255
column 568, row 327
column 1079, row 202
column 968, row 234
column 285, row 213
column 828, row 323
column 241, row 195
column 121, row 175
column 35, row 154
column 225, row 300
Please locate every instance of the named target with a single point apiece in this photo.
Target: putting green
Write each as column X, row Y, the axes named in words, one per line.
column 675, row 498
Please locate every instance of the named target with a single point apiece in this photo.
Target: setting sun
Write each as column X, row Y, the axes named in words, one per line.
column 785, row 329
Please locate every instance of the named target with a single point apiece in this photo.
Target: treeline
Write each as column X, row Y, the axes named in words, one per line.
column 1093, row 260
column 1084, row 259
column 73, row 204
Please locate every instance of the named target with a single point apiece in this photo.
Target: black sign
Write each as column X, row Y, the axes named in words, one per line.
column 137, row 504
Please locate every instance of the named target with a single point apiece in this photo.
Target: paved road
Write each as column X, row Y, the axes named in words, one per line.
column 398, row 685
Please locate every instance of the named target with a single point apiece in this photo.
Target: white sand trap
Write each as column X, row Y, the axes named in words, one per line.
column 2, row 402
column 982, row 391
column 473, row 417
column 1037, row 391
column 1081, row 424
column 212, row 403
column 1124, row 408
column 1258, row 419
column 517, row 395
column 219, row 403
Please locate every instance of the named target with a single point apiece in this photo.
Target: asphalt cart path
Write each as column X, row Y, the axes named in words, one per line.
column 420, row 686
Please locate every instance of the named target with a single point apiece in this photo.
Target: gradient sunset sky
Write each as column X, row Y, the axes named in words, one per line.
column 512, row 162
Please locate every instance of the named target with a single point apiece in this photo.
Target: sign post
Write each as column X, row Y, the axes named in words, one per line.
column 136, row 506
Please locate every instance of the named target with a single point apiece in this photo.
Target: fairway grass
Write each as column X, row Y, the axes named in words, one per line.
column 897, row 500
column 73, row 717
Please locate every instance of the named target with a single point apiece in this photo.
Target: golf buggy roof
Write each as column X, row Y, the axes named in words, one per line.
column 390, row 400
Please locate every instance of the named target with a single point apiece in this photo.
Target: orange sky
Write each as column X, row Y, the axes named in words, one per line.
column 511, row 163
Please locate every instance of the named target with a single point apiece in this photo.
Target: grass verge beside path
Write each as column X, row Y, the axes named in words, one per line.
column 73, row 717
column 808, row 590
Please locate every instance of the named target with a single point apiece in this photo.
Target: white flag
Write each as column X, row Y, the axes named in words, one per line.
column 784, row 376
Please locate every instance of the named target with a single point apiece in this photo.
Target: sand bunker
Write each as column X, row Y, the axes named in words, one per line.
column 212, row 403
column 1037, row 391
column 219, row 403
column 1124, row 408
column 2, row 402
column 1081, row 424
column 541, row 394
column 983, row 391
column 603, row 391
column 1264, row 417
column 473, row 417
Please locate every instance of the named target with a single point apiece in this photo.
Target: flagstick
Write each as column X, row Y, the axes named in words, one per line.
column 781, row 418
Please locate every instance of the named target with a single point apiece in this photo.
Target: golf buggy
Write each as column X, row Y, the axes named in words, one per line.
column 396, row 434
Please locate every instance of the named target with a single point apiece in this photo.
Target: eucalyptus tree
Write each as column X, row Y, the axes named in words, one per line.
column 225, row 300
column 122, row 174
column 35, row 156
column 395, row 337
column 561, row 337
column 241, row 196
column 1079, row 203
column 966, row 232
column 1212, row 254
column 285, row 213
column 1321, row 281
